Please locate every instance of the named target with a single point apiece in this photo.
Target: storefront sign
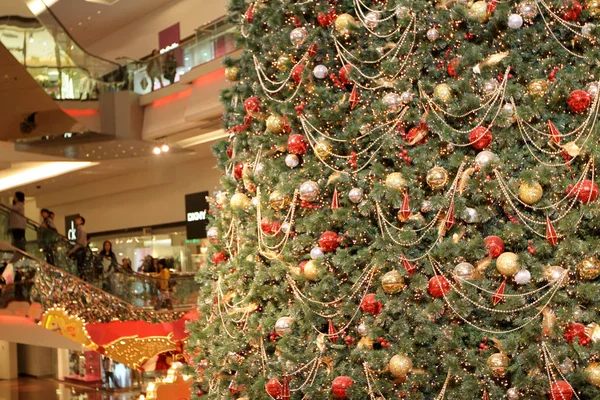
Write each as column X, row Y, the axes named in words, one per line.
column 196, row 213
column 70, row 229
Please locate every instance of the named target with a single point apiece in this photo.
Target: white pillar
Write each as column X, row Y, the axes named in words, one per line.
column 8, row 360
column 62, row 369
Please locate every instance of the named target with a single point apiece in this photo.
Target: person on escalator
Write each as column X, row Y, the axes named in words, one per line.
column 79, row 251
column 107, row 261
column 163, row 277
column 47, row 236
column 17, row 221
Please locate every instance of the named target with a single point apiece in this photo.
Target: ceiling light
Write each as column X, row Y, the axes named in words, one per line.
column 157, row 150
column 37, row 172
column 165, row 147
column 38, row 6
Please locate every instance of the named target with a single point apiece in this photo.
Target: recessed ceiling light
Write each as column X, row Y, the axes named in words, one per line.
column 80, row 23
column 157, row 150
column 99, row 11
column 165, row 147
column 89, row 18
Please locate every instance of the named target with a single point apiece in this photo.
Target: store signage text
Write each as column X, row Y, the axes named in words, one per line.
column 196, row 216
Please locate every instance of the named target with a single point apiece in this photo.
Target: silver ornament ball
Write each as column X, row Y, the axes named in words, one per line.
column 512, row 394
column 528, row 9
column 260, row 167
column 392, row 101
column 490, row 86
column 286, row 227
column 522, row 277
column 316, row 253
column 426, row 206
column 298, row 36
column 292, row 160
column 355, row 195
column 320, row 71
column 515, row 21
column 283, row 325
column 212, row 234
column 586, row 29
column 470, row 215
column 362, row 330
column 593, row 89
column 406, row 97
column 464, row 270
column 486, row 159
column 402, row 12
column 372, row 19
column 309, row 191
column 433, row 34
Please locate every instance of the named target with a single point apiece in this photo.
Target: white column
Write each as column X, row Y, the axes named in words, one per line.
column 8, row 360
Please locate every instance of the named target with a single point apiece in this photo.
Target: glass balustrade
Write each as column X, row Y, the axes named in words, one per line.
column 137, row 289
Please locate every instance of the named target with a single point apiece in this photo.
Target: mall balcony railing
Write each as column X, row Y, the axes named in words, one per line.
column 137, row 289
column 68, row 72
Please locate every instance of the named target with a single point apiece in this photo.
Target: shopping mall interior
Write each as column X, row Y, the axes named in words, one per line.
column 109, row 112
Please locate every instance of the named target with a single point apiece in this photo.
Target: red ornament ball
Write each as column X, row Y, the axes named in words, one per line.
column 417, row 135
column 238, row 170
column 438, row 286
column 219, row 257
column 574, row 331
column 329, row 241
column 480, row 137
column 495, row 246
column 297, row 72
column 301, row 266
column 229, row 151
column 579, row 101
column 266, row 226
column 561, row 390
column 324, row 19
column 252, row 105
column 273, row 388
column 345, row 74
column 369, row 304
column 339, row 386
column 573, row 9
column 587, row 191
column 452, row 67
column 297, row 144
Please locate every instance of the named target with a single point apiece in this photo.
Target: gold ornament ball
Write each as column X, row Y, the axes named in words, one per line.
column 232, row 73
column 392, row 282
column 283, row 325
column 311, row 271
column 530, row 193
column 240, row 201
column 400, row 365
column 343, row 23
column 442, row 92
column 323, row 149
column 395, row 180
column 283, row 62
column 278, row 200
column 588, row 268
column 538, row 87
column 498, row 364
column 508, row 264
column 593, row 373
column 437, row 177
column 593, row 7
column 478, row 11
column 275, row 124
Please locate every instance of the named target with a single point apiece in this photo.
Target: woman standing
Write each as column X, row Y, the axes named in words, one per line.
column 107, row 260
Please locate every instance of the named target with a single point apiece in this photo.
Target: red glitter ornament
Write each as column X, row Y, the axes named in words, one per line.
column 579, row 101
column 574, row 331
column 452, row 67
column 438, row 286
column 586, row 191
column 480, row 137
column 345, row 74
column 339, row 386
column 329, row 241
column 252, row 105
column 561, row 390
column 369, row 304
column 573, row 9
column 297, row 72
column 238, row 170
column 273, row 387
column 219, row 257
column 495, row 245
column 324, row 19
column 297, row 144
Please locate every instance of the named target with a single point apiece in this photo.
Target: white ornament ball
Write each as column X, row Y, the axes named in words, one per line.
column 362, row 330
column 586, row 29
column 393, row 101
column 316, row 253
column 298, row 36
column 320, row 71
column 292, row 160
column 490, row 86
column 286, row 227
column 512, row 394
column 470, row 215
column 528, row 9
column 355, row 195
column 515, row 21
column 508, row 109
column 593, row 89
column 486, row 158
column 523, row 277
column 309, row 191
column 372, row 19
column 260, row 168
column 212, row 234
column 406, row 97
column 283, row 325
column 433, row 34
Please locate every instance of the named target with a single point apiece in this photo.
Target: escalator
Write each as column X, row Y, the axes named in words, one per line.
column 116, row 315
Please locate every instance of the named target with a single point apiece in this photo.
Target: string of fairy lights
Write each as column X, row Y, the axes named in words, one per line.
column 322, row 137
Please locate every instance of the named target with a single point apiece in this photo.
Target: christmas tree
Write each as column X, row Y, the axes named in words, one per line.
column 408, row 206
